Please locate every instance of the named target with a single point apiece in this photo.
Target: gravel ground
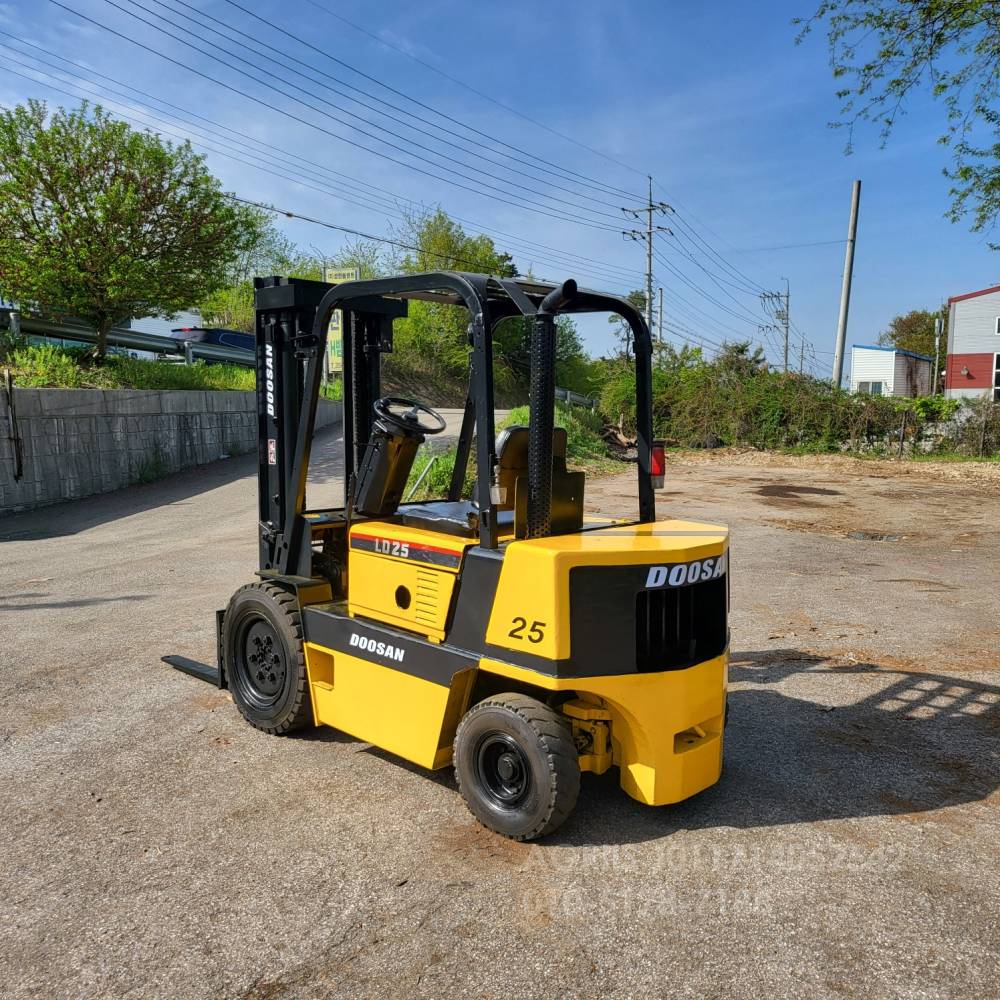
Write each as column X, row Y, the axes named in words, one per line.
column 154, row 845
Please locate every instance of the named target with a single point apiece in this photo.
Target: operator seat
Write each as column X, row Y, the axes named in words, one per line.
column 461, row 517
column 512, row 459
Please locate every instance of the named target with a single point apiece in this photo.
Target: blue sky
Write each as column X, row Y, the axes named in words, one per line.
column 716, row 101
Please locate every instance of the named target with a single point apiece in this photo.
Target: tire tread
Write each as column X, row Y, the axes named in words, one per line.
column 560, row 752
column 300, row 714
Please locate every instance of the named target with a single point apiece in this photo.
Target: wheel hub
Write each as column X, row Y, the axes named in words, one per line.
column 265, row 659
column 503, row 769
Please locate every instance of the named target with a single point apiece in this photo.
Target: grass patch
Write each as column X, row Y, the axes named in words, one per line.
column 334, row 389
column 438, row 478
column 46, row 366
column 949, row 456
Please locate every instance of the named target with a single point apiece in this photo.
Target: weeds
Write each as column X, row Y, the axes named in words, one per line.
column 49, row 366
column 152, row 468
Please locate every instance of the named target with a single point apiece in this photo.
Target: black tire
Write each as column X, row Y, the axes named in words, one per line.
column 517, row 766
column 264, row 659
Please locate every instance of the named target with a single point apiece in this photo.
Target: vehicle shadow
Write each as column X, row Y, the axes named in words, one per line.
column 917, row 742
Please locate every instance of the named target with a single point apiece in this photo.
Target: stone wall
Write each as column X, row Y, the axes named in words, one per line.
column 77, row 442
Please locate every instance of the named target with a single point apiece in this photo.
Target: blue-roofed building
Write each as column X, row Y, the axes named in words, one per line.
column 888, row 371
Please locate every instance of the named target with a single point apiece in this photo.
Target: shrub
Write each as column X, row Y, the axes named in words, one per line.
column 726, row 402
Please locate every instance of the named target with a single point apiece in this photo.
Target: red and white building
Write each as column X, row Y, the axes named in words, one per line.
column 973, row 366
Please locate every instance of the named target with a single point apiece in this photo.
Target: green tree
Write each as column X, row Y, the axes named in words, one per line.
column 232, row 306
column 512, row 347
column 434, row 332
column 914, row 331
column 885, row 51
column 266, row 252
column 737, row 359
column 366, row 255
column 102, row 222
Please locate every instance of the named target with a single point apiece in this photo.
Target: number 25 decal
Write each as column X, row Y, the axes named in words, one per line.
column 535, row 632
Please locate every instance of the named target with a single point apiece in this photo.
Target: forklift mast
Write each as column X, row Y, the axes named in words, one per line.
column 289, row 370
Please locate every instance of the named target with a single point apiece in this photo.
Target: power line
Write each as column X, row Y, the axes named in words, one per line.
column 790, row 246
column 719, row 280
column 557, row 265
column 722, row 329
column 745, row 318
column 312, row 125
column 357, row 184
column 733, row 276
column 406, row 122
column 265, row 81
column 743, row 312
column 705, row 243
column 703, row 293
column 479, row 93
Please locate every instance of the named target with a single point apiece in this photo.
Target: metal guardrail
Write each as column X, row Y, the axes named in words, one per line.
column 136, row 340
column 575, row 398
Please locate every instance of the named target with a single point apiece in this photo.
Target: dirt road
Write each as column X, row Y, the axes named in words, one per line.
column 154, row 845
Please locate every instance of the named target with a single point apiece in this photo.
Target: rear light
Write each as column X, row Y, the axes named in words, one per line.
column 657, row 464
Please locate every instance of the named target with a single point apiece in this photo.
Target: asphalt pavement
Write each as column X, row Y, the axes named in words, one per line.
column 154, row 845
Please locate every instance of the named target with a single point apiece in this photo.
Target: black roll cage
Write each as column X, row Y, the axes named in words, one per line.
column 293, row 316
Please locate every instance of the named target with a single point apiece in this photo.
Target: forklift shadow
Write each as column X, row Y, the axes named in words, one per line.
column 445, row 777
column 915, row 742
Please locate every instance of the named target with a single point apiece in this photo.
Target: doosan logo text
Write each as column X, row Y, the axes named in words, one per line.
column 269, row 378
column 682, row 574
column 379, row 648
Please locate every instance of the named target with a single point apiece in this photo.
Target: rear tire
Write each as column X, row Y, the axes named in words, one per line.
column 264, row 659
column 517, row 766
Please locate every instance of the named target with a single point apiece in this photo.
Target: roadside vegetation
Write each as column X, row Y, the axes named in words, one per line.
column 40, row 366
column 735, row 400
column 44, row 366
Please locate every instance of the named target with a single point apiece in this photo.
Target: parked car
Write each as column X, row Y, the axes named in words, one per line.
column 214, row 335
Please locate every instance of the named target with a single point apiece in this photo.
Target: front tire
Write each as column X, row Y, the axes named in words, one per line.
column 517, row 766
column 264, row 659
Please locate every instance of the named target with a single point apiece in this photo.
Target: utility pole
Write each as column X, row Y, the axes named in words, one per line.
column 938, row 323
column 802, row 355
column 845, row 290
column 660, row 331
column 780, row 304
column 783, row 318
column 647, row 234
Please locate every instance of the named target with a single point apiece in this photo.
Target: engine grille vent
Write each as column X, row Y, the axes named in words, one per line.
column 678, row 626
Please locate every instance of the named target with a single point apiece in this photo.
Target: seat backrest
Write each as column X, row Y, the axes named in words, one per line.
column 512, row 459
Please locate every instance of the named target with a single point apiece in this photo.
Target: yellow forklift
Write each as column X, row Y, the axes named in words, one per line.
column 505, row 633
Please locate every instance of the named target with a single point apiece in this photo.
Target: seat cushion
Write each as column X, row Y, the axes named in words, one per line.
column 459, row 517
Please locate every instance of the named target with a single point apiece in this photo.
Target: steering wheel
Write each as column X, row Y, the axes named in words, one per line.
column 408, row 422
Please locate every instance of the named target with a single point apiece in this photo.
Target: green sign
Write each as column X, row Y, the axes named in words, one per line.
column 334, row 334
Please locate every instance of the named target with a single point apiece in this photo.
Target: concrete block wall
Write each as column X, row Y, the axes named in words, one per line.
column 78, row 442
